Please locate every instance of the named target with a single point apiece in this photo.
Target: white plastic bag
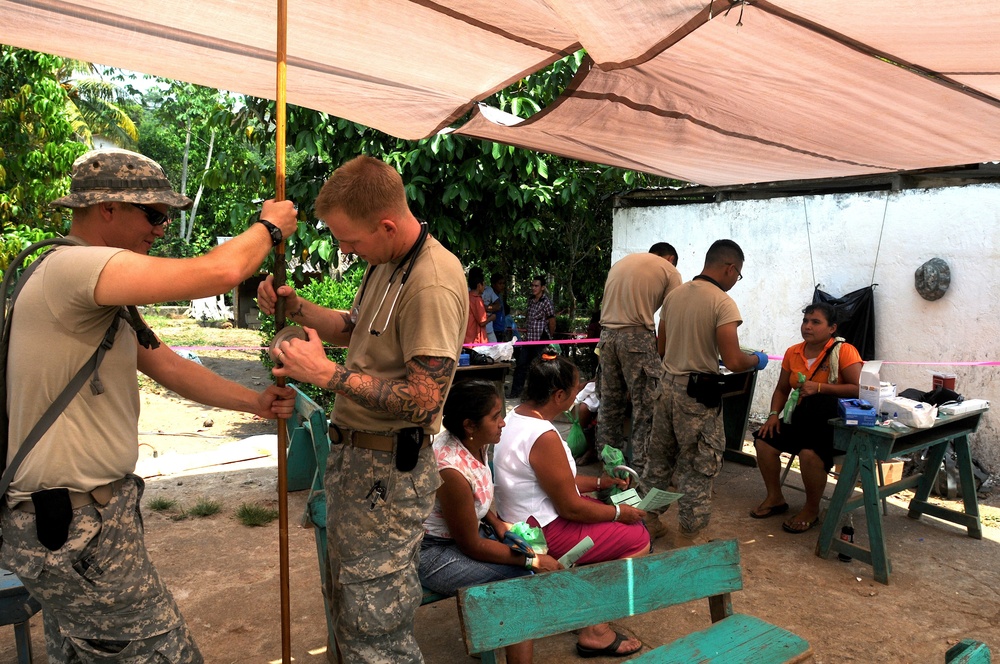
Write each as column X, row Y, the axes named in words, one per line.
column 916, row 414
column 588, row 395
column 499, row 352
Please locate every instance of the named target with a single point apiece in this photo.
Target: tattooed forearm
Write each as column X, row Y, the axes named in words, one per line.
column 416, row 399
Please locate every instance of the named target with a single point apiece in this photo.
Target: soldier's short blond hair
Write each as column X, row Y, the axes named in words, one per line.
column 365, row 189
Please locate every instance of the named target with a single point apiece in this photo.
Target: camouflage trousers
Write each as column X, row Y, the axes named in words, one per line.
column 629, row 366
column 372, row 587
column 101, row 596
column 685, row 450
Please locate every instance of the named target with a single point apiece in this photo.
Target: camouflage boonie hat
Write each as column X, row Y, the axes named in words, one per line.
column 107, row 175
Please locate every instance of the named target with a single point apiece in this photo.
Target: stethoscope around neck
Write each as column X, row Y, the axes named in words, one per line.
column 408, row 260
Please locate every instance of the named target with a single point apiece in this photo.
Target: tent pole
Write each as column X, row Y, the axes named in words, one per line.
column 279, row 323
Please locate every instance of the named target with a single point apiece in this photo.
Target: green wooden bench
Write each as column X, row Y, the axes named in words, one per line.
column 968, row 651
column 309, row 436
column 498, row 614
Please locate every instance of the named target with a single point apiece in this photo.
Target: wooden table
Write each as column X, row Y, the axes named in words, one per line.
column 865, row 447
column 496, row 373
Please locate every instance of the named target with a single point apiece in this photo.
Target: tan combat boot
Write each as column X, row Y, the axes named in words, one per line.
column 655, row 527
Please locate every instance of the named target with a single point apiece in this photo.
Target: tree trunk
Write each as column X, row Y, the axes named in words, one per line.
column 182, row 232
column 201, row 188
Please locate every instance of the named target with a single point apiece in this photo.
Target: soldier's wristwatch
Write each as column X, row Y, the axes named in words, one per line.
column 272, row 230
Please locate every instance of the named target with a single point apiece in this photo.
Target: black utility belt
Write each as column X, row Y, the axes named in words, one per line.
column 706, row 388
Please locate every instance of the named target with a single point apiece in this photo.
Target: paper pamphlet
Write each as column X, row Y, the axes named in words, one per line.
column 654, row 500
column 629, row 497
column 574, row 554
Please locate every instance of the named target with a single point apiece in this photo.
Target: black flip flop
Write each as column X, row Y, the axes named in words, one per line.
column 774, row 510
column 796, row 531
column 610, row 650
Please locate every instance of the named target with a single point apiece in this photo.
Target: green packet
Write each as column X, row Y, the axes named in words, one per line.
column 533, row 536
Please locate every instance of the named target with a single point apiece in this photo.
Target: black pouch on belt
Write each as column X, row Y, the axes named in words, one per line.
column 706, row 389
column 408, row 444
column 53, row 514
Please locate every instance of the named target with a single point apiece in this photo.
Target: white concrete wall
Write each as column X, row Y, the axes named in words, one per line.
column 792, row 244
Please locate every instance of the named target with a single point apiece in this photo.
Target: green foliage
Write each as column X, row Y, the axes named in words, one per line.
column 332, row 294
column 508, row 210
column 336, row 294
column 182, row 126
column 205, row 507
column 98, row 107
column 17, row 239
column 251, row 514
column 37, row 140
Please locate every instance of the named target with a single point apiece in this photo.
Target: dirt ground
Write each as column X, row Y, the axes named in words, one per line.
column 225, row 576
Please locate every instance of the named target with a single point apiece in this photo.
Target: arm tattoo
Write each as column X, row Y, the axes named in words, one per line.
column 297, row 312
column 418, row 398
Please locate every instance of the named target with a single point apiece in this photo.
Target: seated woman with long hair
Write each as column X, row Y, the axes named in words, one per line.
column 457, row 550
column 831, row 369
column 537, row 483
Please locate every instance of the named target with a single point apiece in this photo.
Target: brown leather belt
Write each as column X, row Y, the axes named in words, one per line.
column 101, row 495
column 380, row 442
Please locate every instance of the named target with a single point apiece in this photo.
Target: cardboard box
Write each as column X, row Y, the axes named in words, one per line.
column 871, row 388
column 892, row 471
column 857, row 412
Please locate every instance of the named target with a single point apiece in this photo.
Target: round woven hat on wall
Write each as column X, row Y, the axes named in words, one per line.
column 932, row 279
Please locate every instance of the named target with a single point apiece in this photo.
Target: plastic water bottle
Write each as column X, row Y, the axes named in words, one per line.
column 847, row 534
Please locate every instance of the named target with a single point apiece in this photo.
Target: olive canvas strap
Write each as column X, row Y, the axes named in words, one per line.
column 76, row 383
column 51, row 414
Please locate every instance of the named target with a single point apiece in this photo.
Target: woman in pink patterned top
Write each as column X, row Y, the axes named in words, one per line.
column 464, row 540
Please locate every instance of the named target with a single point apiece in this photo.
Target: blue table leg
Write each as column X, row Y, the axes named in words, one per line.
column 835, row 512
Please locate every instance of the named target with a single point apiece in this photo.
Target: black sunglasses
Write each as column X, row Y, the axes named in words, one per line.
column 153, row 216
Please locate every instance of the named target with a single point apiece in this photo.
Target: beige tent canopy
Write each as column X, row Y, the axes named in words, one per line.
column 718, row 94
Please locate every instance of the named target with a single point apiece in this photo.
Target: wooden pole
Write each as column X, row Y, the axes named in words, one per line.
column 279, row 323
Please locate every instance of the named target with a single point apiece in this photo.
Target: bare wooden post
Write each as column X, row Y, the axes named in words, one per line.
column 279, row 323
